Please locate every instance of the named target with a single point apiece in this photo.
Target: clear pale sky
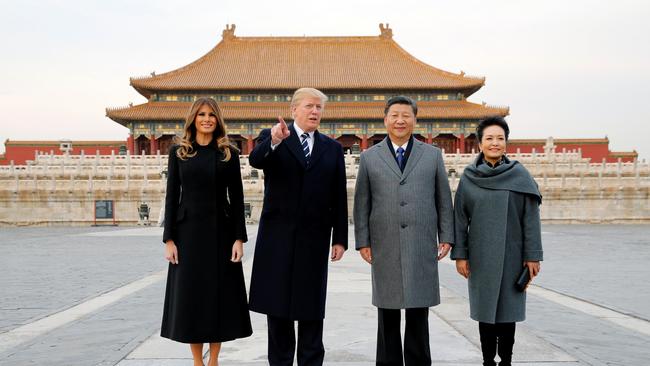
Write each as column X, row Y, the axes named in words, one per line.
column 567, row 69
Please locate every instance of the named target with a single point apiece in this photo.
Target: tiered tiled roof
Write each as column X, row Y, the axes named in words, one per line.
column 624, row 154
column 326, row 63
column 256, row 111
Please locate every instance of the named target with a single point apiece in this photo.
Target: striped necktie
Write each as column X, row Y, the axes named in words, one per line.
column 305, row 146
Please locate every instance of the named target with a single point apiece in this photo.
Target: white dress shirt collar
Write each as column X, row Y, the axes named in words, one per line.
column 395, row 147
column 300, row 131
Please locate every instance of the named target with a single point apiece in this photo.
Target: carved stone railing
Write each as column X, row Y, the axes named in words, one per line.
column 61, row 190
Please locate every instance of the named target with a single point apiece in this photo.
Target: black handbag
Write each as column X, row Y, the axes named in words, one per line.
column 523, row 280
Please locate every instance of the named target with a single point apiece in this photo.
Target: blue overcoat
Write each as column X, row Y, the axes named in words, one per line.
column 304, row 211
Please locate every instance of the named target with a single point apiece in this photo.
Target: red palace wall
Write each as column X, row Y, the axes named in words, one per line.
column 596, row 149
column 22, row 151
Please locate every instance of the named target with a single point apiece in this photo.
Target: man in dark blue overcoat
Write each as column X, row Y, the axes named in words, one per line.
column 305, row 209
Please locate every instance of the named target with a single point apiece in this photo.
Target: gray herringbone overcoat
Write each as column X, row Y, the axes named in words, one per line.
column 401, row 216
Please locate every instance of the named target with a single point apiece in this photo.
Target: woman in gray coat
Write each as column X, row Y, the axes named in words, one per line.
column 497, row 228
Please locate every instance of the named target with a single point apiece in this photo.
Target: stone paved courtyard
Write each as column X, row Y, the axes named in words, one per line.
column 93, row 296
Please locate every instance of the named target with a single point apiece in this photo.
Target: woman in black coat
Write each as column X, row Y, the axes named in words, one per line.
column 498, row 234
column 205, row 299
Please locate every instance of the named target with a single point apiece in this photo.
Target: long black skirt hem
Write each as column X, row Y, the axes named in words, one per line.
column 212, row 340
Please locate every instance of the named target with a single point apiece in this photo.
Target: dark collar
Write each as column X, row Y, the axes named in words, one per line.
column 212, row 145
column 504, row 160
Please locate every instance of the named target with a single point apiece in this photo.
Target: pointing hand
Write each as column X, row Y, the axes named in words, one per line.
column 279, row 132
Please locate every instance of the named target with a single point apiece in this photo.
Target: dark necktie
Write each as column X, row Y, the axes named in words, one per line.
column 400, row 158
column 305, row 146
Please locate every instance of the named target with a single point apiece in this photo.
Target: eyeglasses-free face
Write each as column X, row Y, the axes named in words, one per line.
column 493, row 143
column 205, row 120
column 399, row 122
column 307, row 113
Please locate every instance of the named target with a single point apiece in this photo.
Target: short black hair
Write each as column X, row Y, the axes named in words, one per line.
column 491, row 121
column 401, row 99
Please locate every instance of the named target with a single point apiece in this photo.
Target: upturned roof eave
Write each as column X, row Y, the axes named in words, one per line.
column 110, row 114
column 121, row 115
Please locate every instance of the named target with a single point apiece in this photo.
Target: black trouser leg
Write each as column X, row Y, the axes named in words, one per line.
column 310, row 343
column 282, row 341
column 506, row 336
column 389, row 340
column 488, row 335
column 416, row 337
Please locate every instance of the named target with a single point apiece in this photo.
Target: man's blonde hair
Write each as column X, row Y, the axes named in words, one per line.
column 303, row 93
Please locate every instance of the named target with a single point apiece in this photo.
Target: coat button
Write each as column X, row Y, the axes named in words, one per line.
column 404, row 226
column 403, row 204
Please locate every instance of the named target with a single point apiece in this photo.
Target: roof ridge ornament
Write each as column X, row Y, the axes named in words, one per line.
column 386, row 31
column 229, row 32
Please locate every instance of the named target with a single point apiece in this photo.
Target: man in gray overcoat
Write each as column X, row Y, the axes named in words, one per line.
column 403, row 222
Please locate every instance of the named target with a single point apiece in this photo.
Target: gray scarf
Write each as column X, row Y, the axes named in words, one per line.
column 508, row 176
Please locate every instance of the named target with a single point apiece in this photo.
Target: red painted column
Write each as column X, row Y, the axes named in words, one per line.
column 153, row 145
column 462, row 143
column 130, row 144
column 429, row 138
column 249, row 145
column 364, row 142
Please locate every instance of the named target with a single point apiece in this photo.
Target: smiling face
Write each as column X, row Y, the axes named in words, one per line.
column 399, row 122
column 493, row 143
column 307, row 113
column 205, row 121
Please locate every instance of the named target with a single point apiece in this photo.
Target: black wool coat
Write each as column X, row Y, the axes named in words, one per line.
column 304, row 206
column 205, row 297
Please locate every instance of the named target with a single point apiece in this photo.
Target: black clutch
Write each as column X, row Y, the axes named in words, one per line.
column 523, row 280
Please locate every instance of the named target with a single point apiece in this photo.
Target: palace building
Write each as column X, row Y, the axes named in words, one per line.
column 253, row 79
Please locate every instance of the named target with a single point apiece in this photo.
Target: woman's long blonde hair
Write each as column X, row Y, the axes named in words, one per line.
column 219, row 136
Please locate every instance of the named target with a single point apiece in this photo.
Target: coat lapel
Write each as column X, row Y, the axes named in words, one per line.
column 319, row 148
column 293, row 144
column 416, row 154
column 384, row 153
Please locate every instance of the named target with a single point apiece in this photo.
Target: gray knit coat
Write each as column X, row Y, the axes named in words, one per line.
column 497, row 227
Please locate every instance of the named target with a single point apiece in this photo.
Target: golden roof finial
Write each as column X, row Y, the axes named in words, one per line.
column 229, row 32
column 386, row 32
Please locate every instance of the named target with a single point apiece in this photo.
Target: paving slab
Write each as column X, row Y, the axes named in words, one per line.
column 351, row 326
column 589, row 306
